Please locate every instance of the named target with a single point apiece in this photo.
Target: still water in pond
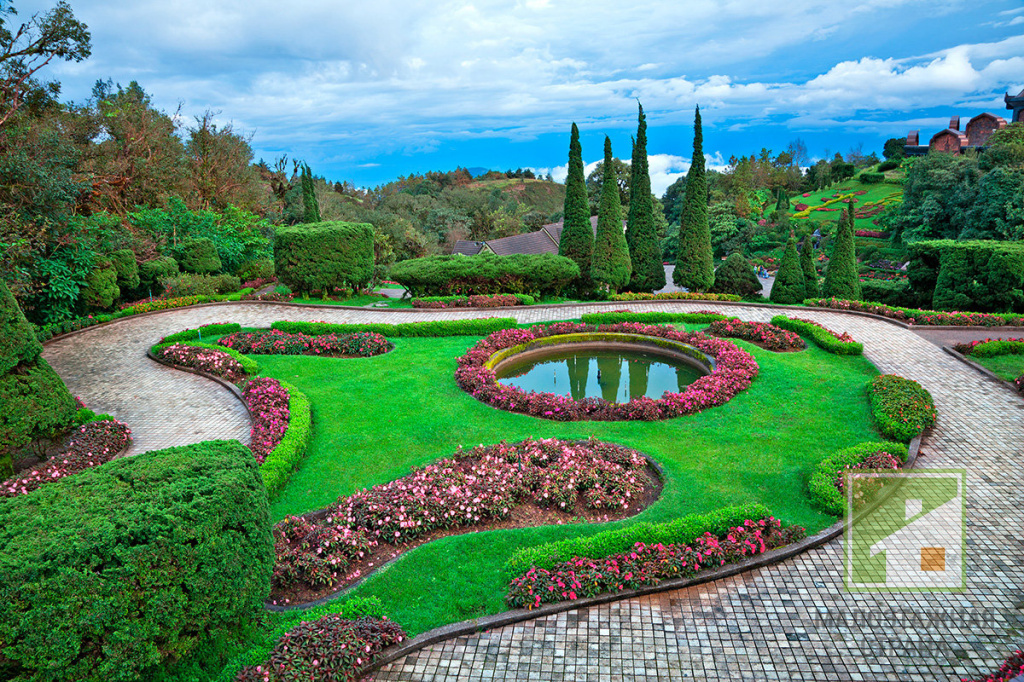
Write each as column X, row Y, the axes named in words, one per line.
column 616, row 376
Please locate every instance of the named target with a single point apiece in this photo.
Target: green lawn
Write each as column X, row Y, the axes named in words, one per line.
column 1007, row 367
column 376, row 418
column 875, row 192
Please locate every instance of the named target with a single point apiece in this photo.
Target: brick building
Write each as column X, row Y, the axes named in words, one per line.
column 953, row 140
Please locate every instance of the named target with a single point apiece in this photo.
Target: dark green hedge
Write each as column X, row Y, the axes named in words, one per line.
column 823, row 481
column 123, row 571
column 199, row 256
column 736, row 276
column 209, row 331
column 991, row 349
column 985, row 276
column 888, row 292
column 18, row 343
column 479, row 327
column 869, row 178
column 36, row 404
column 127, row 268
column 152, row 271
column 821, row 337
column 652, row 318
column 284, row 459
column 485, row 274
column 324, row 256
column 101, row 290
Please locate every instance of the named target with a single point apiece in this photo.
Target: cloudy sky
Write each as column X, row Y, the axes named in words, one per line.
column 367, row 91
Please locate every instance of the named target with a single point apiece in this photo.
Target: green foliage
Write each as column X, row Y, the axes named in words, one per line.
column 651, row 318
column 869, row 178
column 841, row 277
column 902, row 407
column 807, row 265
column 187, row 284
column 250, row 366
column 736, row 276
column 543, row 273
column 577, row 241
column 694, row 266
column 893, row 293
column 682, row 530
column 479, row 327
column 122, row 571
column 311, row 206
column 101, row 290
column 823, row 481
column 893, row 148
column 821, row 337
column 648, row 273
column 610, row 264
column 968, row 275
column 284, row 459
column 36, row 404
column 127, row 269
column 18, row 344
column 209, row 331
column 991, row 349
column 892, row 164
column 256, row 269
column 153, row 271
column 324, row 256
column 790, row 284
column 198, row 256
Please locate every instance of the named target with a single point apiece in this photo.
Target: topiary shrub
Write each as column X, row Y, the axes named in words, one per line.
column 153, row 271
column 902, row 407
column 736, row 276
column 790, row 286
column 824, row 491
column 256, row 269
column 198, row 255
column 123, row 570
column 807, row 265
column 485, row 274
column 869, row 178
column 127, row 269
column 841, row 278
column 18, row 343
column 100, row 290
column 324, row 256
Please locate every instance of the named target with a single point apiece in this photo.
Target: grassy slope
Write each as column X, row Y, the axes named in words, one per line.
column 541, row 195
column 875, row 192
column 1007, row 367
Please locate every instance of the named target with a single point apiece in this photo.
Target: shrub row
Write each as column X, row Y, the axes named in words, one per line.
column 485, row 274
column 276, row 342
column 324, row 256
column 823, row 484
column 824, row 338
column 990, row 349
column 213, row 329
column 767, row 336
column 284, row 459
column 682, row 530
column 920, row 317
column 699, row 317
column 480, row 327
column 673, row 296
column 968, row 275
column 475, row 301
column 901, row 407
column 225, row 363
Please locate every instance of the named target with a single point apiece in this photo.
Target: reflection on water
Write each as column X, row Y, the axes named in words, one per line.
column 616, row 376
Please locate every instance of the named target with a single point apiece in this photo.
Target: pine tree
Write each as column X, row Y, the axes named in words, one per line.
column 841, row 278
column 309, row 202
column 641, row 234
column 789, row 286
column 694, row 266
column 610, row 264
column 807, row 265
column 577, row 240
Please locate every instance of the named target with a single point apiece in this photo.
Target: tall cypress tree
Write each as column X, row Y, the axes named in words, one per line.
column 641, row 234
column 807, row 265
column 309, row 202
column 610, row 264
column 694, row 265
column 841, row 278
column 789, row 286
column 577, row 240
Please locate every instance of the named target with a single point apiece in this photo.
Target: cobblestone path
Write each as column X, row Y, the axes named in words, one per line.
column 790, row 621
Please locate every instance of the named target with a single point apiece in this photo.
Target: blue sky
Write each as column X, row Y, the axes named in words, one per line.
column 368, row 91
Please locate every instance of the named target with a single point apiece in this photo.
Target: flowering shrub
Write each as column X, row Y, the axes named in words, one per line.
column 146, row 305
column 330, row 648
column 902, row 407
column 760, row 333
column 474, row 301
column 258, row 283
column 472, row 487
column 206, row 360
column 276, row 342
column 991, row 348
column 876, row 461
column 825, row 338
column 93, row 444
column 874, row 234
column 673, row 296
column 1011, row 668
column 734, row 370
column 826, row 483
column 921, row 317
column 646, row 564
column 269, row 296
column 267, row 401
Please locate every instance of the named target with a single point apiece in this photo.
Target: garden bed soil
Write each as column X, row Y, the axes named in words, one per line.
column 525, row 515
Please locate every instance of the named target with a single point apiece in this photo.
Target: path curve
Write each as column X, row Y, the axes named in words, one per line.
column 791, row 621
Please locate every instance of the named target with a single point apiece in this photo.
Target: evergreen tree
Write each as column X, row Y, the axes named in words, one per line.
column 694, row 266
column 789, row 286
column 309, row 202
column 641, row 234
column 807, row 265
column 610, row 264
column 577, row 240
column 736, row 276
column 841, row 278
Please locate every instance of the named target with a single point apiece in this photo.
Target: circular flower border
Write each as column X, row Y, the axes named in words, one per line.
column 734, row 370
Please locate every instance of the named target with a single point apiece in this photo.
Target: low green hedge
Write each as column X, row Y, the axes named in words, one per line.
column 479, row 327
column 823, row 481
column 902, row 407
column 283, row 460
column 652, row 318
column 683, row 530
column 991, row 349
column 251, row 367
column 821, row 337
column 673, row 296
column 197, row 334
column 129, row 570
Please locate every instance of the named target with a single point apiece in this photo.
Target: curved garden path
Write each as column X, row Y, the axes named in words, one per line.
column 790, row 621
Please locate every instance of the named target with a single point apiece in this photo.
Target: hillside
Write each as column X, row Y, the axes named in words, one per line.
column 539, row 195
column 870, row 199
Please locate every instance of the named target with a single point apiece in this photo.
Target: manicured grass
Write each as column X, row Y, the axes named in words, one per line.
column 376, row 418
column 1007, row 367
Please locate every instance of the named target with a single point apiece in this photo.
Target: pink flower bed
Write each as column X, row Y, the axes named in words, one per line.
column 206, row 360
column 276, row 342
column 844, row 337
column 474, row 301
column 766, row 335
column 922, row 317
column 646, row 564
column 94, row 443
column 473, row 487
column 877, row 234
column 734, row 371
column 267, row 401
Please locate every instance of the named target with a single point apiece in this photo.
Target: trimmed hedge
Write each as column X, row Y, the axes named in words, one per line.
column 901, row 407
column 869, row 178
column 821, row 337
column 128, row 569
column 736, row 276
column 683, row 530
column 474, row 301
column 652, row 318
column 324, row 256
column 36, row 404
column 283, row 460
column 209, row 330
column 127, row 268
column 251, row 367
column 920, row 317
column 198, row 256
column 823, row 481
column 991, row 349
column 970, row 275
column 18, row 342
column 673, row 296
column 790, row 285
column 480, row 327
column 485, row 274
column 100, row 290
column 152, row 271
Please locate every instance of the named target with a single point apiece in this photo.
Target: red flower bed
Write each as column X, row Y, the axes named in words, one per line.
column 921, row 317
column 844, row 337
column 734, row 371
column 95, row 443
column 471, row 488
column 801, row 207
column 206, row 360
column 474, row 301
column 646, row 564
column 267, row 401
column 966, row 348
column 876, row 234
column 766, row 335
column 275, row 342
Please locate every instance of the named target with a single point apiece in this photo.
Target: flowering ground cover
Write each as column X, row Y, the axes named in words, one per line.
column 766, row 336
column 276, row 342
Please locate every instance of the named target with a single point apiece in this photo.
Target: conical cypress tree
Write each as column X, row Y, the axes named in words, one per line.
column 807, row 265
column 610, row 264
column 789, row 286
column 641, row 234
column 694, row 266
column 841, row 278
column 309, row 202
column 577, row 240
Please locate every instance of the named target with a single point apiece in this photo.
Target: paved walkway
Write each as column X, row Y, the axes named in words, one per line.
column 791, row 621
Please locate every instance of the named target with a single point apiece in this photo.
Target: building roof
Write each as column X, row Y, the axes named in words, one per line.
column 544, row 240
column 468, row 248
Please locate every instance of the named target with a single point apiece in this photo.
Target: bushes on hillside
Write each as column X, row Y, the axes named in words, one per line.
column 324, row 256
column 100, row 290
column 122, row 571
column 902, row 407
column 127, row 269
column 485, row 274
column 153, row 271
column 736, row 276
column 970, row 275
column 869, row 178
column 198, row 256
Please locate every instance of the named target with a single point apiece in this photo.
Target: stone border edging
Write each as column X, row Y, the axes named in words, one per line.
column 981, row 368
column 476, row 625
column 237, row 392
